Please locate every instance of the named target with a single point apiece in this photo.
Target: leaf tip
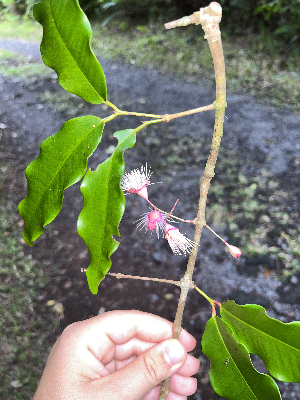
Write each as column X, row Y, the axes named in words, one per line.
column 93, row 280
column 26, row 237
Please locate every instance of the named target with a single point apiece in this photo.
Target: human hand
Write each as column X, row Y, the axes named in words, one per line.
column 119, row 355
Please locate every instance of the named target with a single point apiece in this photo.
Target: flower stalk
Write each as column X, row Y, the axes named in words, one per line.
column 234, row 251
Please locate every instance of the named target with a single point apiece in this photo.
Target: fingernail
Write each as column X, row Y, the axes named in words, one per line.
column 174, row 352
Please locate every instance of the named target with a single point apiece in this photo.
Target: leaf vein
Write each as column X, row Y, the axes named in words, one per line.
column 262, row 332
column 71, row 55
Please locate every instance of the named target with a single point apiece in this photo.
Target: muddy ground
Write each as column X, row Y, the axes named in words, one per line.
column 259, row 136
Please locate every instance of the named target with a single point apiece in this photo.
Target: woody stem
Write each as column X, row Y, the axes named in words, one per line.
column 209, row 17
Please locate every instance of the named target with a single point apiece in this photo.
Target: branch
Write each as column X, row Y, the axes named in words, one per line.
column 209, row 17
column 144, row 278
column 163, row 118
column 169, row 117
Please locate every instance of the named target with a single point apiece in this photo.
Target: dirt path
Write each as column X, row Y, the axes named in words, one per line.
column 261, row 138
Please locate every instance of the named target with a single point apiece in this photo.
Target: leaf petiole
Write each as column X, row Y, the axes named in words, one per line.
column 108, row 103
column 146, row 123
column 120, row 112
column 211, row 301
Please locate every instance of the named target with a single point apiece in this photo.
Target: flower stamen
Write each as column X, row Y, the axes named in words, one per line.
column 178, row 242
column 154, row 220
column 136, row 182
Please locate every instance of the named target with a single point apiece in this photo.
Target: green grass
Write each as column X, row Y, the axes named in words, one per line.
column 14, row 65
column 26, row 324
column 255, row 64
column 255, row 214
column 64, row 102
column 248, row 208
column 12, row 26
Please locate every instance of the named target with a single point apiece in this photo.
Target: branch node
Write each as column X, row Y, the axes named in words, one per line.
column 219, row 105
column 186, row 283
column 180, row 22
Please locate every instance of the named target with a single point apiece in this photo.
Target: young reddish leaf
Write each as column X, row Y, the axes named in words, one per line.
column 232, row 374
column 61, row 163
column 66, row 48
column 104, row 205
column 276, row 343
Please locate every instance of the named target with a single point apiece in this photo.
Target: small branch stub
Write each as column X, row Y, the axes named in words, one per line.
column 209, row 17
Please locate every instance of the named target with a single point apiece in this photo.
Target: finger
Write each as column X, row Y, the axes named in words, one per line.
column 187, row 340
column 175, row 396
column 134, row 347
column 137, row 378
column 114, row 365
column 134, row 324
column 184, row 386
column 154, row 395
column 190, row 367
column 122, row 326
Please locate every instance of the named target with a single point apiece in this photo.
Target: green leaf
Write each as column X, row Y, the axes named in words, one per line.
column 104, row 205
column 232, row 374
column 66, row 48
column 276, row 343
column 61, row 163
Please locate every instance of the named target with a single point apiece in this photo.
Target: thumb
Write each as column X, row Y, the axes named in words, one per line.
column 145, row 372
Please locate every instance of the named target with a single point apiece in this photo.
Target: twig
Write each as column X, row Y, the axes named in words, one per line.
column 144, row 278
column 169, row 117
column 190, row 221
column 162, row 118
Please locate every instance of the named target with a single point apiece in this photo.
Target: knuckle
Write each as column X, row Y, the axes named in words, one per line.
column 69, row 330
column 154, row 367
column 70, row 333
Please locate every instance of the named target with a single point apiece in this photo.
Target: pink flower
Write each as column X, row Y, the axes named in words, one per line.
column 177, row 241
column 136, row 182
column 152, row 220
column 234, row 251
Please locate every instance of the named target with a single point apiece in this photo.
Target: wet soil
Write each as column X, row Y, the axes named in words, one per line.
column 260, row 136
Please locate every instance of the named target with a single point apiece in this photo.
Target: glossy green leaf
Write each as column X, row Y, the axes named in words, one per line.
column 276, row 343
column 232, row 374
column 104, row 205
column 66, row 48
column 61, row 163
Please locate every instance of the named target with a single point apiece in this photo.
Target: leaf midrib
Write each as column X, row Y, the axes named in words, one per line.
column 107, row 191
column 235, row 363
column 71, row 55
column 262, row 332
column 64, row 162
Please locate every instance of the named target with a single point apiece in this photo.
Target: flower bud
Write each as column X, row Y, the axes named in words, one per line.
column 234, row 251
column 151, row 221
column 154, row 218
